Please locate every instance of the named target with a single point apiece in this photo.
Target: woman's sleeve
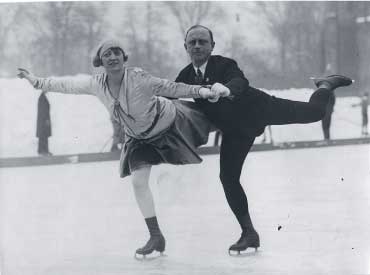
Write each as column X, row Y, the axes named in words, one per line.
column 164, row 87
column 80, row 84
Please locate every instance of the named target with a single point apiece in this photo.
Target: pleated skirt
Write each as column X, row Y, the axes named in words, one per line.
column 176, row 145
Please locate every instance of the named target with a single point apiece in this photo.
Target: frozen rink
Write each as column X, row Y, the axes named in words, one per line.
column 82, row 219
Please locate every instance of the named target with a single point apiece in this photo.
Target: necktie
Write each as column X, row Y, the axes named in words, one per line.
column 199, row 77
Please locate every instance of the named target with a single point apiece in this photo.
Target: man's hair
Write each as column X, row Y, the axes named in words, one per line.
column 199, row 26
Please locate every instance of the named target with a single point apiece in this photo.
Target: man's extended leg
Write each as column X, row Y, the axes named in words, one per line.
column 282, row 111
column 233, row 152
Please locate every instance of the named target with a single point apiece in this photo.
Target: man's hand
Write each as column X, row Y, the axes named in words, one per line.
column 220, row 90
column 207, row 93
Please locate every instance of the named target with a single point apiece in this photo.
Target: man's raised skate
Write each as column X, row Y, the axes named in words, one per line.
column 332, row 81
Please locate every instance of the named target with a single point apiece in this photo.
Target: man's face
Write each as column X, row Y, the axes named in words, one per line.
column 199, row 46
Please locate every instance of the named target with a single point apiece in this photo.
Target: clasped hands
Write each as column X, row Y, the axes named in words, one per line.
column 213, row 93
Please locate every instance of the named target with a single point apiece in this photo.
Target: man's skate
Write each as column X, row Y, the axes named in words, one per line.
column 246, row 240
column 155, row 243
column 332, row 81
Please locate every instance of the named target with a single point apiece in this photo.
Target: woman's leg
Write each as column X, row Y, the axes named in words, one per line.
column 143, row 194
column 145, row 201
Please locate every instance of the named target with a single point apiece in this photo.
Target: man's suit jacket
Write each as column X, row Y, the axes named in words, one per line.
column 242, row 115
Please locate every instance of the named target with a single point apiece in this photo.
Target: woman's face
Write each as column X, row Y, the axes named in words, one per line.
column 112, row 59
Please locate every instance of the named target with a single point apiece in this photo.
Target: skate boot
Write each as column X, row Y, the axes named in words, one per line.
column 250, row 239
column 155, row 243
column 332, row 82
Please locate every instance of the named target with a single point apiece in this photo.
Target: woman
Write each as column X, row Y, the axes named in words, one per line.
column 157, row 130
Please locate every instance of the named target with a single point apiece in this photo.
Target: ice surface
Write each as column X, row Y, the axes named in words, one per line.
column 82, row 218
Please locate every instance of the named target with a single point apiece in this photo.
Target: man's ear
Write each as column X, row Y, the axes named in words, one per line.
column 186, row 48
column 213, row 44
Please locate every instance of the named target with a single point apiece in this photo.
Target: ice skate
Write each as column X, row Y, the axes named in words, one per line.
column 332, row 81
column 246, row 240
column 155, row 243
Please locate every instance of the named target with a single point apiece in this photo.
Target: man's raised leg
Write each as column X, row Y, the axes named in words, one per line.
column 283, row 111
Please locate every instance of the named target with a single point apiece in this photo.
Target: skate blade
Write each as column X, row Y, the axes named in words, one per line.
column 314, row 78
column 245, row 253
column 149, row 257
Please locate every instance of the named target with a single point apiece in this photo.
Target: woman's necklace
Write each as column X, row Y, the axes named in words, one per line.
column 116, row 90
column 117, row 106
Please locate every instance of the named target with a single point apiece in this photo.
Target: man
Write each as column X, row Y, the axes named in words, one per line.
column 43, row 128
column 243, row 116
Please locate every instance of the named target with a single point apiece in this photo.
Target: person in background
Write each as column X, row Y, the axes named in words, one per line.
column 326, row 121
column 264, row 139
column 364, row 103
column 218, row 137
column 43, row 127
column 364, row 114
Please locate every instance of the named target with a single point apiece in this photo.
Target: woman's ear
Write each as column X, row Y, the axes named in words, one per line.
column 125, row 57
column 97, row 61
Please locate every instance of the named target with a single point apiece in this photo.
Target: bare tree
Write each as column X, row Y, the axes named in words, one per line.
column 190, row 13
column 276, row 16
column 145, row 43
column 61, row 35
column 90, row 16
column 9, row 14
column 51, row 25
column 296, row 27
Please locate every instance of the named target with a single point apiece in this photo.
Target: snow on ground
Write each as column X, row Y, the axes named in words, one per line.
column 81, row 219
column 80, row 124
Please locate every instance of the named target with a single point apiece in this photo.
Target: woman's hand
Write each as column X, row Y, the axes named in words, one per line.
column 207, row 93
column 220, row 90
column 217, row 90
column 23, row 73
